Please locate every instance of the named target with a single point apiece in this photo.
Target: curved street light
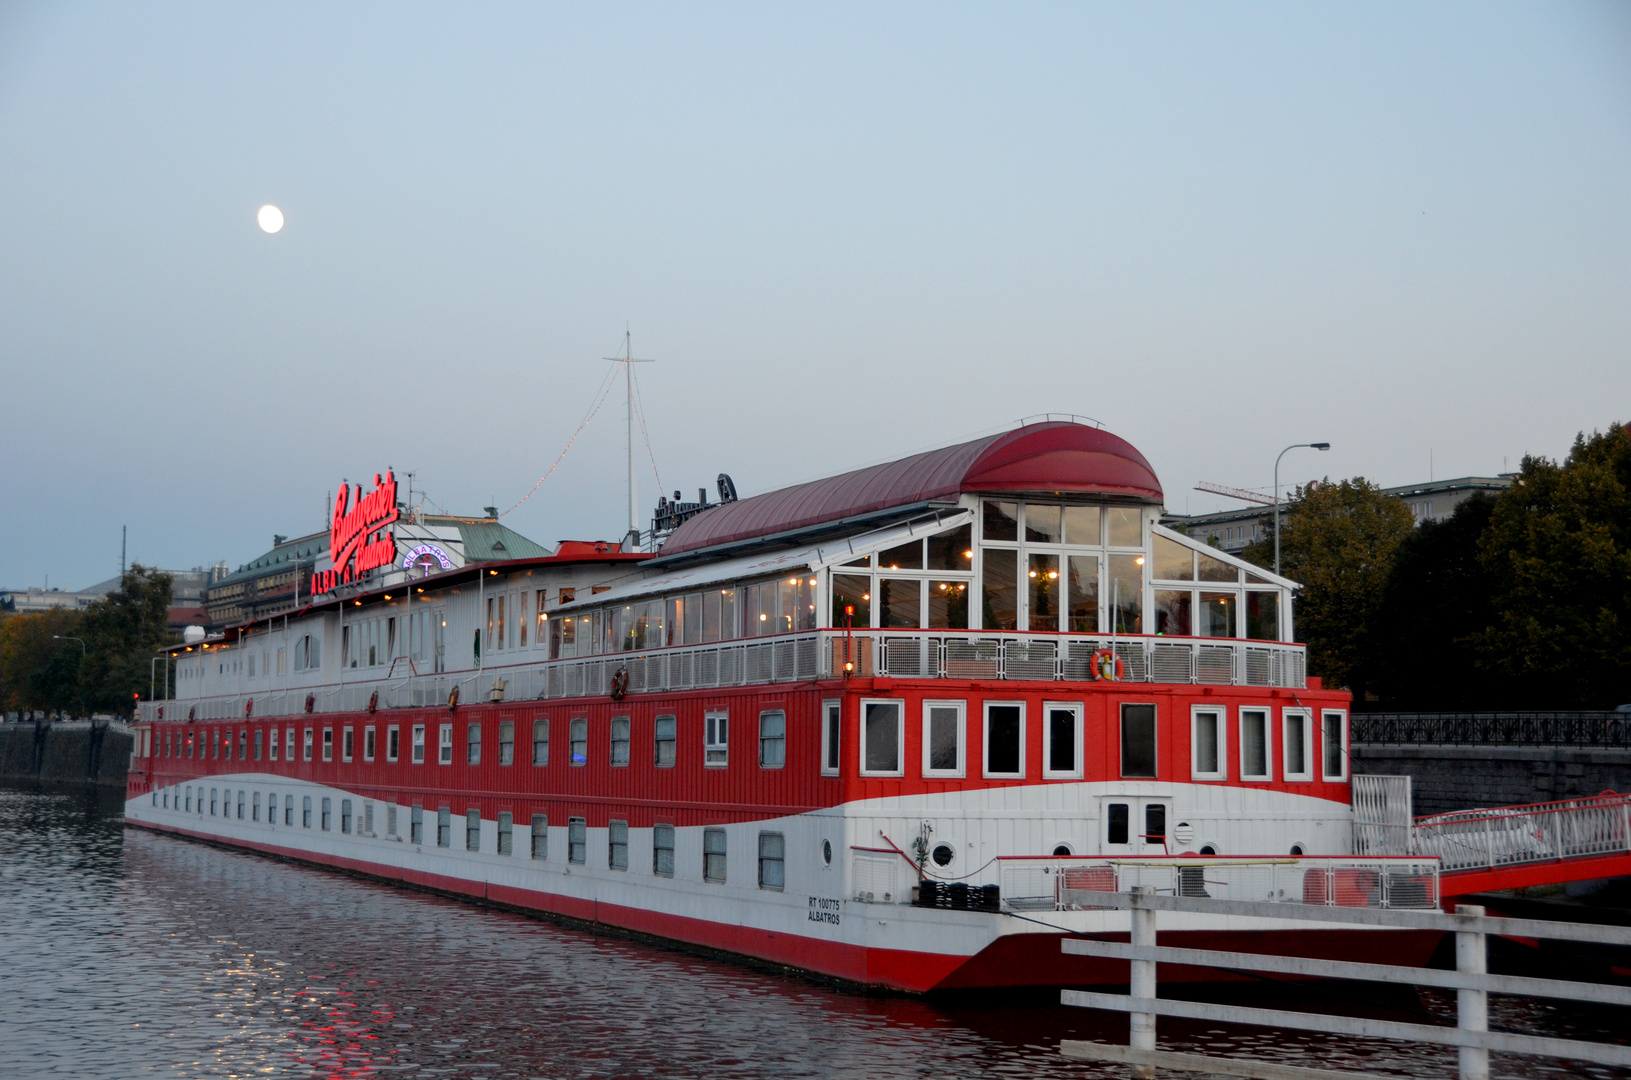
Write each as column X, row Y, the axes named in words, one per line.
column 1293, row 446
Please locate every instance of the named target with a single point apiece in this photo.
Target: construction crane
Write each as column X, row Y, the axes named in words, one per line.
column 1234, row 493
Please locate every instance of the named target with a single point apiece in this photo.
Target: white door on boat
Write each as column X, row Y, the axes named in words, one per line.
column 1134, row 826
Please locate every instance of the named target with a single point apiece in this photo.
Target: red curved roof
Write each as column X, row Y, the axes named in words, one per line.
column 1057, row 456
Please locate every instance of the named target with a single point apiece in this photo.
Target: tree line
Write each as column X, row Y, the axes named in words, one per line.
column 1518, row 601
column 97, row 660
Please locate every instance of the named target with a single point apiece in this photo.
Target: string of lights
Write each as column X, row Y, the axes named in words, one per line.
column 640, row 413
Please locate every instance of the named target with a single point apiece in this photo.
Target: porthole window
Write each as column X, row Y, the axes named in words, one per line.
column 826, row 852
column 943, row 854
column 1296, row 851
column 1208, row 849
column 1062, row 851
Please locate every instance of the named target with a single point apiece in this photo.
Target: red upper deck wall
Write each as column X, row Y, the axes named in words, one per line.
column 1057, row 456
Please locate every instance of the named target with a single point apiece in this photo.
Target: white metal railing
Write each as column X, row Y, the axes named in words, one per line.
column 1513, row 835
column 938, row 654
column 1327, row 881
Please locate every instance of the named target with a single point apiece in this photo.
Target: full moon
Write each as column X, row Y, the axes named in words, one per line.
column 270, row 218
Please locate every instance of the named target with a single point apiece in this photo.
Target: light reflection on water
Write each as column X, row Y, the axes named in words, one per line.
column 124, row 953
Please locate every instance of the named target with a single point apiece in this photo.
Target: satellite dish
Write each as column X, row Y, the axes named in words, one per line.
column 727, row 490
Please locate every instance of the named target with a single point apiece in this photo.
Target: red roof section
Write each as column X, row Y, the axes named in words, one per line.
column 1057, row 456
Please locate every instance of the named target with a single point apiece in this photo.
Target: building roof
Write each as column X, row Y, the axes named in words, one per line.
column 302, row 549
column 485, row 540
column 1053, row 457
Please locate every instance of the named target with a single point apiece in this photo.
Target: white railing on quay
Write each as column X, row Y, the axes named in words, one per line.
column 803, row 657
column 1471, row 980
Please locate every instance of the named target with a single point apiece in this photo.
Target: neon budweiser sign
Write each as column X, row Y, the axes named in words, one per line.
column 356, row 543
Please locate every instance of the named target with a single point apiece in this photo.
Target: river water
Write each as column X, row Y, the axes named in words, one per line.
column 129, row 954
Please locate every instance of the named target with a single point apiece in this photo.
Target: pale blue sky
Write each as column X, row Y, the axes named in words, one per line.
column 846, row 233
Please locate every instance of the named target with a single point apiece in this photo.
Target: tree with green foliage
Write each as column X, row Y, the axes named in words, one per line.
column 122, row 632
column 1558, row 553
column 1338, row 540
column 37, row 670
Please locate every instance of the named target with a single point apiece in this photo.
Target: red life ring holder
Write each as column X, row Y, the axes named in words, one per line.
column 373, row 702
column 311, row 702
column 620, row 683
column 1107, row 665
column 249, row 707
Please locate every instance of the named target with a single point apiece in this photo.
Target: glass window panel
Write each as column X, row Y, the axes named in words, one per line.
column 1263, row 615
column 1083, row 594
column 1155, row 822
column 1172, row 612
column 1126, row 587
column 953, row 550
column 1296, row 750
column 1206, row 743
column 729, row 626
column 848, row 591
column 1254, row 579
column 1002, row 739
column 1173, row 561
column 693, row 618
column 805, row 599
column 882, row 732
column 675, row 621
column 1000, row 590
column 1116, row 823
column 1126, row 526
column 666, row 740
column 1218, row 614
column 772, row 739
column 1000, row 521
column 948, row 605
column 662, row 850
column 943, row 722
column 786, row 604
column 711, row 602
column 1331, row 738
column 908, row 556
column 713, row 855
column 900, row 602
column 1138, row 741
column 1214, row 569
column 1254, row 744
column 1043, row 524
column 1042, row 585
column 1061, row 740
column 1082, row 525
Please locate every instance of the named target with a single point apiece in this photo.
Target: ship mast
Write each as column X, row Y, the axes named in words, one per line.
column 631, row 542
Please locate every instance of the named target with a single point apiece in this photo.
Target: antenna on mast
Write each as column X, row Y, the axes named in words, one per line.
column 631, row 542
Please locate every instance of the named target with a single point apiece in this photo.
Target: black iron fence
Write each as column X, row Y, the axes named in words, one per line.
column 1610, row 730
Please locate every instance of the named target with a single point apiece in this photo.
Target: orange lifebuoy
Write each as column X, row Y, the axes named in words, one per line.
column 1107, row 665
column 620, row 683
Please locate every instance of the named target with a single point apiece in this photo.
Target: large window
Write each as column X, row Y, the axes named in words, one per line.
column 1042, row 587
column 1126, row 588
column 540, row 742
column 1062, row 740
column 579, row 737
column 1004, row 739
column 713, row 856
column 1254, row 744
column 1334, row 743
column 851, row 601
column 620, row 741
column 617, row 845
column 716, row 739
column 772, row 861
column 662, row 850
column 999, row 590
column 1206, row 741
column 882, row 733
column 1138, row 741
column 1262, row 615
column 832, row 719
column 943, row 738
column 665, row 741
column 772, row 739
column 1299, row 761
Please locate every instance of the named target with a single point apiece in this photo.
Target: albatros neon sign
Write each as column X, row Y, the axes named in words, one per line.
column 353, row 548
column 428, row 556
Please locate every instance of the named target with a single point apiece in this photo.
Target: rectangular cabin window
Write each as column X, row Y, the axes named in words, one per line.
column 577, row 840
column 1173, row 561
column 255, row 806
column 416, row 824
column 882, row 736
column 692, row 619
column 288, row 745
column 1042, row 589
column 347, row 744
column 1172, row 612
column 1126, row 526
column 832, row 714
column 240, row 805
column 730, row 625
column 258, row 736
column 1082, row 593
column 540, row 741
column 1206, row 743
column 444, row 745
column 1004, row 739
column 772, row 739
column 1217, row 614
column 713, row 856
column 907, row 556
column 579, row 737
column 1062, row 749
column 1126, row 587
column 617, row 844
column 1000, row 521
column 305, row 744
column 367, row 826
column 472, row 743
column 214, row 800
column 662, row 850
column 215, row 744
column 1044, row 524
column 328, row 744
column 665, row 742
column 345, row 815
column 328, row 813
column 521, row 620
column 444, row 826
column 506, row 821
column 1138, row 741
column 948, row 605
column 540, row 836
column 1299, row 763
column 999, row 590
column 1334, row 742
column 305, row 812
column 368, row 743
column 506, row 742
column 1262, row 615
column 952, row 550
column 243, row 745
column 772, row 861
column 620, row 741
column 472, row 829
column 418, row 750
column 1155, row 823
column 943, row 738
column 1116, row 828
column 390, row 819
column 272, row 744
column 716, row 739
column 393, row 743
column 1082, row 526
column 850, row 591
column 1254, row 744
column 900, row 602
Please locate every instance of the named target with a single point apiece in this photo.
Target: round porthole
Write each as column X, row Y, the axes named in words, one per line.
column 1208, row 849
column 942, row 854
column 1297, row 850
column 1062, row 851
column 826, row 852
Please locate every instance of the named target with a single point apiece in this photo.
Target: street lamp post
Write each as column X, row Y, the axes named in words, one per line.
column 1293, row 446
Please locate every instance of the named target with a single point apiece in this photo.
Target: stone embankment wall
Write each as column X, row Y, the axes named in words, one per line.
column 77, row 752
column 1464, row 777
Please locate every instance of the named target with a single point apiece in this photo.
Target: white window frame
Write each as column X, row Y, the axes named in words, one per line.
column 1342, row 774
column 416, row 752
column 900, row 738
column 1075, row 771
column 444, row 744
column 306, row 744
column 348, row 742
column 572, row 742
column 763, row 713
column 1221, row 713
column 1306, row 774
column 985, row 741
column 832, row 737
column 711, row 742
column 962, row 738
column 1267, row 713
column 370, row 742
